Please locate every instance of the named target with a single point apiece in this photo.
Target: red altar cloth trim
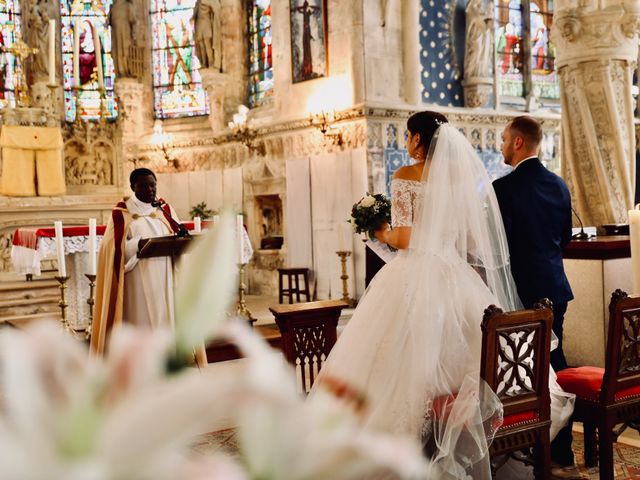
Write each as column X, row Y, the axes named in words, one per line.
column 28, row 237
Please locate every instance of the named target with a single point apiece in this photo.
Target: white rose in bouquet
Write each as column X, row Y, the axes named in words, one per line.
column 368, row 201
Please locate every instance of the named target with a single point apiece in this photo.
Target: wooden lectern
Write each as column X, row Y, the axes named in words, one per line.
column 164, row 247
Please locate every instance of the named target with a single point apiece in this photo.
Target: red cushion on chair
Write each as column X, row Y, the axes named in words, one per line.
column 586, row 383
column 519, row 418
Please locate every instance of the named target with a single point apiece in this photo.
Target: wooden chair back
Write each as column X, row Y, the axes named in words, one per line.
column 309, row 331
column 515, row 357
column 622, row 364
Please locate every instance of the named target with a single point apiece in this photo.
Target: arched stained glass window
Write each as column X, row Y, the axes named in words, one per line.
column 9, row 33
column 87, row 66
column 543, row 75
column 260, row 66
column 524, row 55
column 177, row 85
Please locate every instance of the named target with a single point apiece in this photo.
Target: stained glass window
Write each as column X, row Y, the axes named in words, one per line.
column 518, row 23
column 9, row 32
column 260, row 66
column 509, row 52
column 543, row 76
column 87, row 67
column 177, row 85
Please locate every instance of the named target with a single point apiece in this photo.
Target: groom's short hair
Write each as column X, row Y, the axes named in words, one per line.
column 528, row 128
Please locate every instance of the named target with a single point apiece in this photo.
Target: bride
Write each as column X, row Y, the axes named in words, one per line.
column 413, row 344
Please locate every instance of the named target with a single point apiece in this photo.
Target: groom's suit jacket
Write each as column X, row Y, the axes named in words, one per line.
column 536, row 208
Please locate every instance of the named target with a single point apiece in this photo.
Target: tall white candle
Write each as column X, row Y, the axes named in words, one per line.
column 76, row 53
column 344, row 237
column 240, row 235
column 62, row 268
column 52, row 52
column 216, row 219
column 634, row 237
column 98, row 48
column 92, row 246
column 197, row 224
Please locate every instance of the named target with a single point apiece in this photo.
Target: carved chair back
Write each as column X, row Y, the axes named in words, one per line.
column 515, row 358
column 622, row 367
column 309, row 331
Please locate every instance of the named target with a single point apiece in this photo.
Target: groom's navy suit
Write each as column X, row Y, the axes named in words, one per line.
column 536, row 209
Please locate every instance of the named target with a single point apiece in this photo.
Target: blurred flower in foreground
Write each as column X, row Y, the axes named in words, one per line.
column 64, row 415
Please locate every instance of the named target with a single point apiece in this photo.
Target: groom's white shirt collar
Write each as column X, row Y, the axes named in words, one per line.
column 521, row 162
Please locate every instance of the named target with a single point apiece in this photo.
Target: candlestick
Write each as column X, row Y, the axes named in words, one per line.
column 242, row 309
column 344, row 277
column 240, row 236
column 52, row 52
column 90, row 302
column 62, row 280
column 197, row 224
column 634, row 239
column 92, row 246
column 76, row 54
column 62, row 267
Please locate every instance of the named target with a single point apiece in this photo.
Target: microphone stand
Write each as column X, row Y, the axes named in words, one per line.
column 181, row 230
column 581, row 235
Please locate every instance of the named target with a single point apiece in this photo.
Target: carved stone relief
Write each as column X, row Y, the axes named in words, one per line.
column 91, row 156
column 478, row 57
column 5, row 252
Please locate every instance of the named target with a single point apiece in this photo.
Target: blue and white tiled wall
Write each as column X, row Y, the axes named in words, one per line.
column 485, row 140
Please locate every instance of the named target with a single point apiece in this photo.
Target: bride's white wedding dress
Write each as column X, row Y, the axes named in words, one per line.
column 413, row 344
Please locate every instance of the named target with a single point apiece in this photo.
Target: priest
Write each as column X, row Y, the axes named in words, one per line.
column 129, row 289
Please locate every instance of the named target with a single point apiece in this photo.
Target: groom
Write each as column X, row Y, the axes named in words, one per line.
column 536, row 209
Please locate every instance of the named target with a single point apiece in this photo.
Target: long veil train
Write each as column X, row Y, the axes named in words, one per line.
column 413, row 344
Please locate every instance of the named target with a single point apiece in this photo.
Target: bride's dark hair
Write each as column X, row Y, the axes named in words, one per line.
column 425, row 123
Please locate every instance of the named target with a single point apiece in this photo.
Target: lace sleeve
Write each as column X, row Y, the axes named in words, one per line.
column 401, row 203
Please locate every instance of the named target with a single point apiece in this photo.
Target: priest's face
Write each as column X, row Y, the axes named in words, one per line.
column 145, row 188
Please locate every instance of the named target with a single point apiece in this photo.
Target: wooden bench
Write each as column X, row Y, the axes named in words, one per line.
column 309, row 331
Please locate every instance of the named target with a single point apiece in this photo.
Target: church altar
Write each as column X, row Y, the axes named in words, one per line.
column 33, row 245
column 595, row 268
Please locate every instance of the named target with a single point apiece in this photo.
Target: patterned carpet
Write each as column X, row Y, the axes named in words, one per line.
column 627, row 458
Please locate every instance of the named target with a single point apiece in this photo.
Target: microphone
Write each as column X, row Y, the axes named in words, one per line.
column 181, row 229
column 581, row 235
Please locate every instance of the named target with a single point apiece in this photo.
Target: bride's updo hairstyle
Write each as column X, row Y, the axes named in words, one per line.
column 425, row 123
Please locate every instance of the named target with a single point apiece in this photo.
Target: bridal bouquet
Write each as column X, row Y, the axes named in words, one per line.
column 370, row 214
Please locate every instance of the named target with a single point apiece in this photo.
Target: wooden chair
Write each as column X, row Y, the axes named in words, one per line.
column 309, row 331
column 293, row 283
column 609, row 397
column 515, row 365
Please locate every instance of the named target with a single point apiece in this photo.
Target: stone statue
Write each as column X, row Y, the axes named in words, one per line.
column 479, row 39
column 37, row 32
column 208, row 33
column 123, row 19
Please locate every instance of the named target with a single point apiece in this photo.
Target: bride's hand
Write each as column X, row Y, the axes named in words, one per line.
column 381, row 232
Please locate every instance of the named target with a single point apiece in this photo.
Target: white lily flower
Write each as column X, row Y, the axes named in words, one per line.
column 207, row 283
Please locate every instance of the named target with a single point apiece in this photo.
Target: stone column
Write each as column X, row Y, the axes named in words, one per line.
column 214, row 82
column 596, row 52
column 411, row 51
column 130, row 94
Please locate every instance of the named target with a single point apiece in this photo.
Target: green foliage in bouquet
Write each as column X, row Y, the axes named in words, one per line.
column 370, row 214
column 201, row 210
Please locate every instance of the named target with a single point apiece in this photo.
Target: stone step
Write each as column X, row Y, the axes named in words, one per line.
column 26, row 301
column 22, row 320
